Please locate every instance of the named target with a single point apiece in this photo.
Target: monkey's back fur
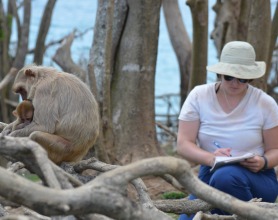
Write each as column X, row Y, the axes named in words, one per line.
column 64, row 107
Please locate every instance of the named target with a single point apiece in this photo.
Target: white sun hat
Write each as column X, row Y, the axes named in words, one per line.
column 238, row 60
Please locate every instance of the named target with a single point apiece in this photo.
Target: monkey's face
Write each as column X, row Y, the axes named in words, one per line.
column 26, row 116
column 23, row 82
column 24, row 111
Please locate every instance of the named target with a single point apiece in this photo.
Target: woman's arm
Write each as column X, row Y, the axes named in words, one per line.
column 257, row 163
column 187, row 148
column 270, row 138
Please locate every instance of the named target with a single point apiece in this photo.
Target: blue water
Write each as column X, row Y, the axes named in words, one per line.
column 69, row 15
column 80, row 15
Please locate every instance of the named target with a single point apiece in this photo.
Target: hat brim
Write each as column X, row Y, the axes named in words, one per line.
column 239, row 71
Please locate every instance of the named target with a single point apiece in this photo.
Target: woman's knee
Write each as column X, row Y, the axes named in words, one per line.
column 228, row 177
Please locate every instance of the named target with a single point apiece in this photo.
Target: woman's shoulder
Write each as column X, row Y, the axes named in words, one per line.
column 204, row 88
column 261, row 96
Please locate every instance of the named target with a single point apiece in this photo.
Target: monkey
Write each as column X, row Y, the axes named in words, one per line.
column 66, row 117
column 24, row 113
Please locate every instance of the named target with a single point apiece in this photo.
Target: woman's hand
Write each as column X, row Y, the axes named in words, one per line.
column 226, row 152
column 255, row 164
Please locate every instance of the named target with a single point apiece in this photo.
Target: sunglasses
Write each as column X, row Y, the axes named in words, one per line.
column 230, row 78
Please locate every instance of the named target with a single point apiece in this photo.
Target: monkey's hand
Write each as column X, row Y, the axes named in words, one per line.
column 27, row 130
column 7, row 130
column 2, row 126
column 18, row 133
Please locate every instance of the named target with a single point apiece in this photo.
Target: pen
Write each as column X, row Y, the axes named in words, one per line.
column 216, row 144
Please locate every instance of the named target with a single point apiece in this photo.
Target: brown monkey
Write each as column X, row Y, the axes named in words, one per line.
column 66, row 117
column 24, row 113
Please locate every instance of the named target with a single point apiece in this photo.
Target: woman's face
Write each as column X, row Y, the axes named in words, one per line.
column 234, row 86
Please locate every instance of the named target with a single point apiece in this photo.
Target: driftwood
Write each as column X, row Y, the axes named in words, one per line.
column 105, row 195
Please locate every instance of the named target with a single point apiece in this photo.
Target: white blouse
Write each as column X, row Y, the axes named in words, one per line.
column 241, row 129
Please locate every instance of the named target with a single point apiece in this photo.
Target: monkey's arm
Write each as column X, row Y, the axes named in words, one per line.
column 27, row 130
column 7, row 130
column 2, row 126
column 44, row 119
column 18, row 126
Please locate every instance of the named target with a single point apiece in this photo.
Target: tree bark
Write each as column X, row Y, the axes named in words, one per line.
column 102, row 60
column 14, row 9
column 44, row 27
column 24, row 37
column 226, row 25
column 19, row 58
column 243, row 22
column 180, row 42
column 63, row 58
column 5, row 21
column 133, row 83
column 4, row 59
column 273, row 39
column 259, row 35
column 199, row 11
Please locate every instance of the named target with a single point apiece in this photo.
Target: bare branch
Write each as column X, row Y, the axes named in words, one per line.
column 166, row 129
column 139, row 185
column 24, row 37
column 63, row 58
column 66, row 175
column 107, row 190
column 30, row 153
column 44, row 27
column 59, row 41
column 8, row 78
column 183, row 206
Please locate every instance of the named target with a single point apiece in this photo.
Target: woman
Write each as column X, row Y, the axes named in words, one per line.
column 231, row 118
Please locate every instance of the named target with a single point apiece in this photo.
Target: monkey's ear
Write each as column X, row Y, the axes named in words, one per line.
column 15, row 113
column 29, row 73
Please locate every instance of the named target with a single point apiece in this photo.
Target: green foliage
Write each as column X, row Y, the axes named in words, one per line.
column 173, row 195
column 174, row 216
column 32, row 177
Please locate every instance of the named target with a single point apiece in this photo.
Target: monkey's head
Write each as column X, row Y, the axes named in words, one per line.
column 24, row 111
column 24, row 81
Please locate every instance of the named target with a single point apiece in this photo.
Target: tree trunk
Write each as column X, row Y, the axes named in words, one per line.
column 18, row 60
column 181, row 43
column 244, row 19
column 4, row 58
column 199, row 11
column 108, row 29
column 5, row 21
column 259, row 34
column 273, row 39
column 133, row 83
column 226, row 25
column 44, row 27
column 24, row 38
column 14, row 9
